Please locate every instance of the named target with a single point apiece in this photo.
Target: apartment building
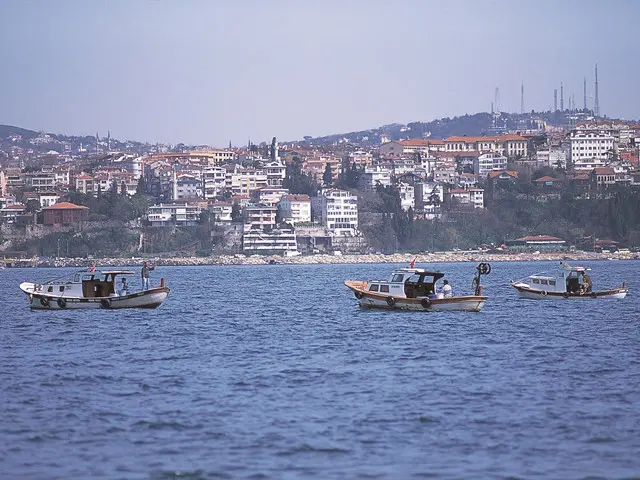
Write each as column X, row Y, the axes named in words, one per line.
column 337, row 210
column 489, row 162
column 296, row 209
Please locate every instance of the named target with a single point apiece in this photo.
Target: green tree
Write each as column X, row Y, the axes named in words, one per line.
column 327, row 175
column 236, row 212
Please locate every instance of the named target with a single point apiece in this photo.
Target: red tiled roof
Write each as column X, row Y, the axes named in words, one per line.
column 508, row 172
column 498, row 138
column 604, row 171
column 546, row 178
column 64, row 205
column 540, row 238
column 420, row 143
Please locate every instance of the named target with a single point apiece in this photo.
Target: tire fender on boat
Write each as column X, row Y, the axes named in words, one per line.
column 593, row 295
column 105, row 303
column 390, row 301
column 358, row 294
column 543, row 293
column 565, row 295
column 425, row 302
column 44, row 301
column 62, row 303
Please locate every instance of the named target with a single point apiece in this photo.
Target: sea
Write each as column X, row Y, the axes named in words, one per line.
column 274, row 372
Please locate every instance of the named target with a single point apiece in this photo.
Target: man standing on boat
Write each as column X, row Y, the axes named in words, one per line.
column 586, row 281
column 145, row 274
column 447, row 291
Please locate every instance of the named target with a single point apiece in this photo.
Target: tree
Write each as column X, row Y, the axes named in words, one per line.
column 141, row 189
column 236, row 212
column 327, row 176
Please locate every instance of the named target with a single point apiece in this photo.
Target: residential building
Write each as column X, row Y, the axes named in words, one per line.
column 213, row 180
column 174, row 214
column 603, row 177
column 537, row 243
column 470, row 197
column 242, row 181
column 259, row 216
column 361, row 158
column 187, row 187
column 10, row 213
column 64, row 213
column 508, row 145
column 374, row 176
column 407, row 196
column 41, row 181
column 590, row 145
column 295, row 209
column 269, row 195
column 489, row 162
column 48, row 199
column 275, row 172
column 337, row 210
column 222, row 211
column 255, row 241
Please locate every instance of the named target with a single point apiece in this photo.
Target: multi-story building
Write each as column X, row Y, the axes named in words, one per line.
column 259, row 217
column 222, row 211
column 509, row 145
column 589, row 146
column 269, row 195
column 374, row 176
column 41, row 181
column 275, row 172
column 337, row 210
column 489, row 162
column 275, row 242
column 410, row 147
column 178, row 214
column 212, row 157
column 296, row 209
column 213, row 182
column 47, row 199
column 473, row 196
column 242, row 181
column 360, row 158
column 187, row 187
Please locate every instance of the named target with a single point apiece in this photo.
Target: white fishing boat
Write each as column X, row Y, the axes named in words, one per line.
column 416, row 289
column 567, row 282
column 90, row 289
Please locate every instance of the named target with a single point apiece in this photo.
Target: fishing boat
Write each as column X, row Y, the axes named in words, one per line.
column 416, row 289
column 567, row 282
column 90, row 289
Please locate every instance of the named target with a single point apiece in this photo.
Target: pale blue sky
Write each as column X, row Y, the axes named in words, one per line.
column 198, row 71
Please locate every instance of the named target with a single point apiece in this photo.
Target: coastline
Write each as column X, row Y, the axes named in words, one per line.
column 223, row 260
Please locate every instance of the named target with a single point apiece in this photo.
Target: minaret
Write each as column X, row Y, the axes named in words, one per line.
column 522, row 98
column 97, row 142
column 109, row 140
column 596, row 103
column 555, row 99
column 175, row 182
column 585, row 94
column 561, row 97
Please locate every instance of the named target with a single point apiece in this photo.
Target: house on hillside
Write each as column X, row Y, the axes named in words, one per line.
column 540, row 243
column 64, row 213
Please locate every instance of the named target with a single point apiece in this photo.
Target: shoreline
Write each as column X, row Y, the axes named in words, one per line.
column 224, row 260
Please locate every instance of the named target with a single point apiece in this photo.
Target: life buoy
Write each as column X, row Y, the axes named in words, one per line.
column 484, row 268
column 426, row 303
column 593, row 295
column 565, row 295
column 62, row 303
column 390, row 301
column 543, row 293
column 105, row 303
column 44, row 301
column 358, row 294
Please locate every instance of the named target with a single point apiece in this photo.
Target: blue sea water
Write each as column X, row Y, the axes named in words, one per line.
column 273, row 372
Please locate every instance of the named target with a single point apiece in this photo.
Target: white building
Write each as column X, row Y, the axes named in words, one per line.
column 187, row 187
column 588, row 145
column 275, row 172
column 296, row 209
column 407, row 195
column 259, row 217
column 48, row 199
column 184, row 215
column 338, row 211
column 489, row 162
column 270, row 195
column 552, row 158
column 213, row 182
column 471, row 196
column 241, row 181
column 360, row 158
column 222, row 211
column 374, row 176
column 274, row 242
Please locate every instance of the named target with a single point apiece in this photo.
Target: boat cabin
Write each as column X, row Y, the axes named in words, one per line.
column 408, row 283
column 567, row 279
column 86, row 284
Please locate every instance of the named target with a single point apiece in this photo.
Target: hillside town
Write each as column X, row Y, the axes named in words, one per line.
column 302, row 197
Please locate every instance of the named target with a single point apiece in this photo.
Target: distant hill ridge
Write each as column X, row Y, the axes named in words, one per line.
column 9, row 130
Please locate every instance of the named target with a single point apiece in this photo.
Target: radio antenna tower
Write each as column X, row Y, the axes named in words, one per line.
column 522, row 98
column 555, row 99
column 496, row 100
column 596, row 103
column 585, row 94
column 561, row 97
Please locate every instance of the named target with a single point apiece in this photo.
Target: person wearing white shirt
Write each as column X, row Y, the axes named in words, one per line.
column 446, row 290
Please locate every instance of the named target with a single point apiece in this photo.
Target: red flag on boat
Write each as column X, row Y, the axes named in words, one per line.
column 413, row 262
column 92, row 268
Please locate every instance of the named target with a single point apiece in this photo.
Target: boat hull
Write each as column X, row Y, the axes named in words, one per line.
column 532, row 294
column 152, row 298
column 366, row 299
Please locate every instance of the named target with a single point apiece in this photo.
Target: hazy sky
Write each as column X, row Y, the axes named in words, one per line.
column 217, row 71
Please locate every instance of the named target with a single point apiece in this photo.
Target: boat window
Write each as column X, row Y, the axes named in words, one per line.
column 535, row 280
column 373, row 288
column 397, row 278
column 62, row 288
column 543, row 282
column 76, row 277
column 552, row 282
column 384, row 288
column 50, row 289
